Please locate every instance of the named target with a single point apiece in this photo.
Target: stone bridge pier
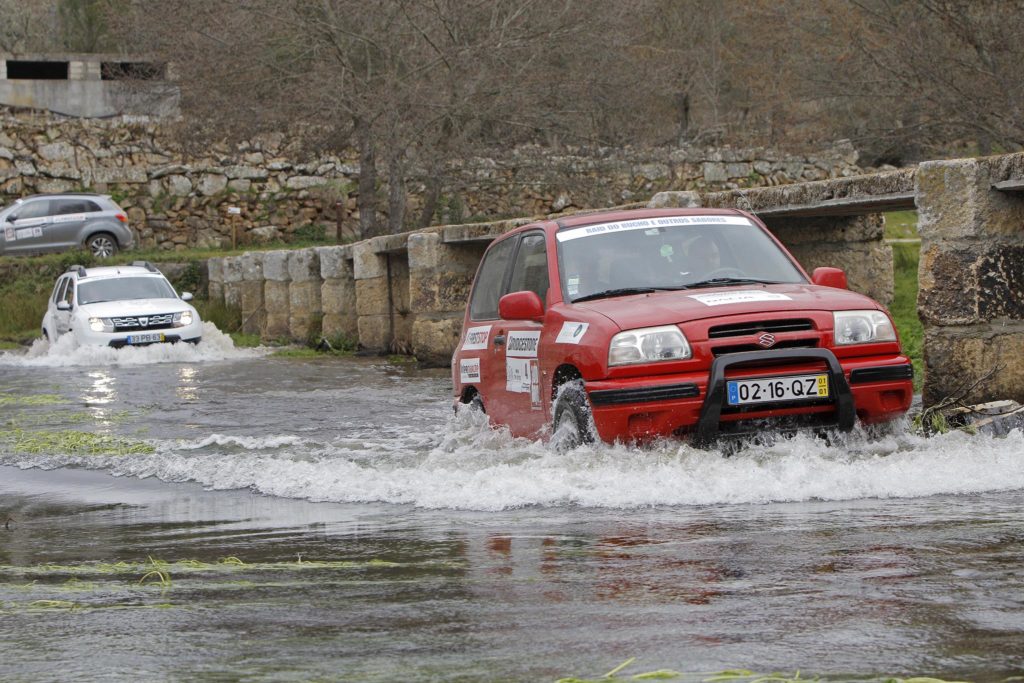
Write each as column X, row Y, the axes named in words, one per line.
column 971, row 300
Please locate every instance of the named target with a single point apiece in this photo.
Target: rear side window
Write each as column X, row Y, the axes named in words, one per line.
column 531, row 269
column 490, row 280
column 36, row 209
column 58, row 289
column 62, row 207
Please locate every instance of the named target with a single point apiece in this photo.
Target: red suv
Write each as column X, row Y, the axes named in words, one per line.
column 630, row 325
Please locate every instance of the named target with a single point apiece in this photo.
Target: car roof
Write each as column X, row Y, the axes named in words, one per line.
column 114, row 271
column 58, row 195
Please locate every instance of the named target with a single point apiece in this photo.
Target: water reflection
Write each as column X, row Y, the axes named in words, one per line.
column 188, row 385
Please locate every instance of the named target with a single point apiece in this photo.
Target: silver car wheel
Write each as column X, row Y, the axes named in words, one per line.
column 102, row 246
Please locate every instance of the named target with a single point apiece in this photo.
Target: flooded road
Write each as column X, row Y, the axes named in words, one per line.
column 218, row 514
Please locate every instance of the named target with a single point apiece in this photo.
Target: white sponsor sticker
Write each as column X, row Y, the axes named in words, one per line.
column 37, row 232
column 469, row 370
column 23, row 233
column 522, row 344
column 572, row 333
column 517, row 375
column 535, row 384
column 742, row 297
column 647, row 224
column 9, row 234
column 476, row 338
column 69, row 218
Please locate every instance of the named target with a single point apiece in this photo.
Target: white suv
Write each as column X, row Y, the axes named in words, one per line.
column 120, row 306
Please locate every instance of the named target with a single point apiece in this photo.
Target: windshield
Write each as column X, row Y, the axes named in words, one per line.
column 673, row 252
column 124, row 288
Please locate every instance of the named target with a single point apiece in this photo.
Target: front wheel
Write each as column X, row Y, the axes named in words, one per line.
column 102, row 245
column 572, row 423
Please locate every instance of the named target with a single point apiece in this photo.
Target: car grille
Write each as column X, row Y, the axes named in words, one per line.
column 773, row 326
column 143, row 322
column 785, row 344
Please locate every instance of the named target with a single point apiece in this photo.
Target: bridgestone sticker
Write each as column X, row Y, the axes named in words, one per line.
column 572, row 333
column 522, row 344
column 743, row 297
column 647, row 224
column 24, row 233
column 469, row 370
column 68, row 218
column 476, row 338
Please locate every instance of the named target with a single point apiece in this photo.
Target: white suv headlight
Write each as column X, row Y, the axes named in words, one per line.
column 101, row 324
column 182, row 319
column 648, row 345
column 862, row 327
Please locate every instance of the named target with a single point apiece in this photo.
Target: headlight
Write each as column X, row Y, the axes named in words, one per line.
column 101, row 324
column 182, row 319
column 862, row 327
column 648, row 345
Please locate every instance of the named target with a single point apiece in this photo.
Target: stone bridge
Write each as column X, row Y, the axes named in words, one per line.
column 406, row 293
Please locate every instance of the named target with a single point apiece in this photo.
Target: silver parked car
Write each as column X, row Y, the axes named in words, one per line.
column 56, row 222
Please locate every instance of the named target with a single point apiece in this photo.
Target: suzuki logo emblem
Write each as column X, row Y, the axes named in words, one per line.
column 143, row 321
column 766, row 340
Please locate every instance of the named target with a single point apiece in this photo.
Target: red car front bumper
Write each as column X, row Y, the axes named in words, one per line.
column 870, row 389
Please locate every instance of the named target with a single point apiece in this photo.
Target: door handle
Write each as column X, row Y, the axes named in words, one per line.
column 499, row 340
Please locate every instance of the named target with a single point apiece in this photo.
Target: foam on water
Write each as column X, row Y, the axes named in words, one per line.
column 66, row 352
column 467, row 465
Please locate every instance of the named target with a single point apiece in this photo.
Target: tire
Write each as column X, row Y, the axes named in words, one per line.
column 102, row 245
column 572, row 423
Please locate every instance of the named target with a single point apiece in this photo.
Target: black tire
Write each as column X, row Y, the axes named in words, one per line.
column 102, row 245
column 572, row 423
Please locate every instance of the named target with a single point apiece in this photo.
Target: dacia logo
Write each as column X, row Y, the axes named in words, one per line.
column 767, row 340
column 143, row 321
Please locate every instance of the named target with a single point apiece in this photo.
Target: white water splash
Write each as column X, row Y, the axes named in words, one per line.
column 66, row 352
column 467, row 465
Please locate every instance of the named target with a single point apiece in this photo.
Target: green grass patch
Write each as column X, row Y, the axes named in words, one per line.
column 243, row 340
column 901, row 225
column 904, row 306
column 72, row 443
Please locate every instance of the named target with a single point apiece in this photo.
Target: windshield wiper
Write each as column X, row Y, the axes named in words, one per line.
column 621, row 291
column 722, row 281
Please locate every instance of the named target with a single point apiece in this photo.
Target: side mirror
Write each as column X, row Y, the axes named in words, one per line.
column 186, row 296
column 63, row 306
column 520, row 306
column 829, row 277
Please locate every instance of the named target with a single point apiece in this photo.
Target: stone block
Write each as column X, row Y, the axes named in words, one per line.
column 955, row 200
column 335, row 262
column 276, row 305
column 372, row 297
column 956, row 358
column 253, row 313
column 252, row 266
column 233, row 294
column 215, row 269
column 966, row 283
column 374, row 332
column 367, row 263
column 275, row 266
column 664, row 200
column 303, row 309
column 828, row 229
column 435, row 339
column 232, row 269
column 304, row 266
column 212, row 184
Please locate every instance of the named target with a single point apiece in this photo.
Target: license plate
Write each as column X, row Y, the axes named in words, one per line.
column 145, row 338
column 792, row 388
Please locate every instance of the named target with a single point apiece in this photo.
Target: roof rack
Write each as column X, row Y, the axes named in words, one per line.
column 145, row 264
column 78, row 269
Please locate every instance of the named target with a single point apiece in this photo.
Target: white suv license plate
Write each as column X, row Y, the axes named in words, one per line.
column 145, row 338
column 792, row 388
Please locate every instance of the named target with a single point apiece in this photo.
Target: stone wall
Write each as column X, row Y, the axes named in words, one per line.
column 971, row 299
column 178, row 200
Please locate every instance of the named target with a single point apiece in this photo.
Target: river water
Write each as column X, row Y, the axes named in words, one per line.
column 215, row 514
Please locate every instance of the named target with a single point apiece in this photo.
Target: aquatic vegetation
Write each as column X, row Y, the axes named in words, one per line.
column 72, row 442
column 736, row 675
column 31, row 400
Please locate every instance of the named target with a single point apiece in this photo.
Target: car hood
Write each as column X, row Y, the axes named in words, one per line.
column 664, row 308
column 107, row 309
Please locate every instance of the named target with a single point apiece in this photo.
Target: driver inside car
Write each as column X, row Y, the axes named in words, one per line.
column 702, row 258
